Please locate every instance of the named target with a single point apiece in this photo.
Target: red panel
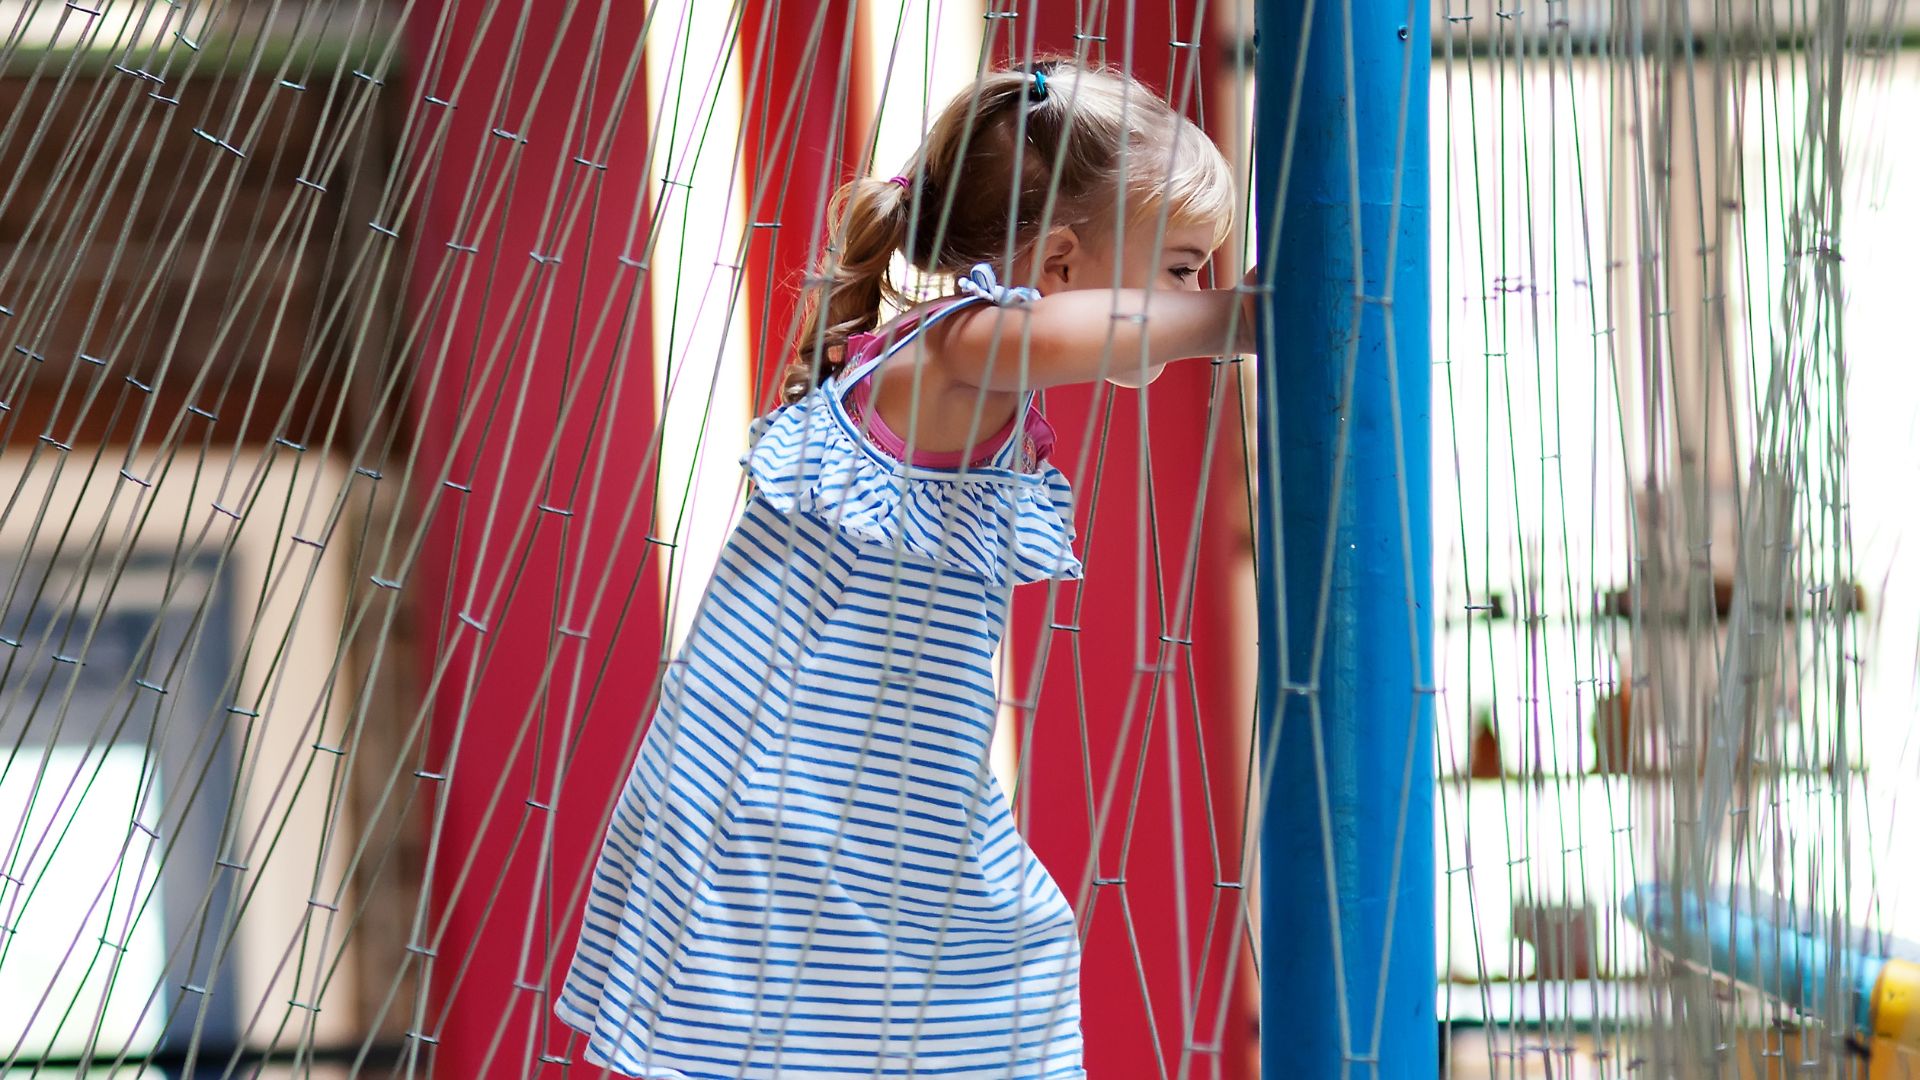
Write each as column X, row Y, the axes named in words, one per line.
column 1156, row 729
column 501, row 341
column 803, row 140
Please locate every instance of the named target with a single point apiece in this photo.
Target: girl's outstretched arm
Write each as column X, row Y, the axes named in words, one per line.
column 1082, row 335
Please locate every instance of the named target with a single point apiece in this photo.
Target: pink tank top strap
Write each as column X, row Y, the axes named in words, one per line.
column 867, row 350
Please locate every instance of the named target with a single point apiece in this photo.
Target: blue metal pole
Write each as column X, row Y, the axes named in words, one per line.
column 1345, row 527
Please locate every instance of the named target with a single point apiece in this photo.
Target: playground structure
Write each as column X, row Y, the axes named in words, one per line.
column 376, row 382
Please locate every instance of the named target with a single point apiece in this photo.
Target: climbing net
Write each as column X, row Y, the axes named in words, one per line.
column 375, row 384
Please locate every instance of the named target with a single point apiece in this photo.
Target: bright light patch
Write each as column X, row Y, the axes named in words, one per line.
column 699, row 324
column 88, row 885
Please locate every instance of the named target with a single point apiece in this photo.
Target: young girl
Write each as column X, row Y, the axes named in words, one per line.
column 812, row 871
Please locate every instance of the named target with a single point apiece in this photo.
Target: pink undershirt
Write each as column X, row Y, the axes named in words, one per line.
column 859, row 405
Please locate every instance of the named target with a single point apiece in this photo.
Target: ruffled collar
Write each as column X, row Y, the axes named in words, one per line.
column 995, row 524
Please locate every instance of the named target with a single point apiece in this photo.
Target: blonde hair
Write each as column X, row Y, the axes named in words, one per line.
column 967, row 206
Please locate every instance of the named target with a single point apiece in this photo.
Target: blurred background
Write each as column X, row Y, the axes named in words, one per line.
column 375, row 382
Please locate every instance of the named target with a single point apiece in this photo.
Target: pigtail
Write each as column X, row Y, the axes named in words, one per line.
column 844, row 295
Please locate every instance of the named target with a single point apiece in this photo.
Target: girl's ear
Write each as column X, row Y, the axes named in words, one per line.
column 1060, row 256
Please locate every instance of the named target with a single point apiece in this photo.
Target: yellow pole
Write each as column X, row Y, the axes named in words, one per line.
column 1896, row 1005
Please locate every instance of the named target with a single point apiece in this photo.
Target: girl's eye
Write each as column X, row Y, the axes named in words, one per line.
column 1182, row 273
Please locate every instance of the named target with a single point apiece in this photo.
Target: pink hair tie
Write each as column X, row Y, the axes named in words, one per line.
column 905, row 183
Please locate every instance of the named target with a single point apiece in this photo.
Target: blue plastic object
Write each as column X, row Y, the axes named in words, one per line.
column 1790, row 965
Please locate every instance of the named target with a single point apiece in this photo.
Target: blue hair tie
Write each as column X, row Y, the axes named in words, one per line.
column 1038, row 91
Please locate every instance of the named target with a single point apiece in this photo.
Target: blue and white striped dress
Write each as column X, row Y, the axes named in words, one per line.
column 811, row 870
